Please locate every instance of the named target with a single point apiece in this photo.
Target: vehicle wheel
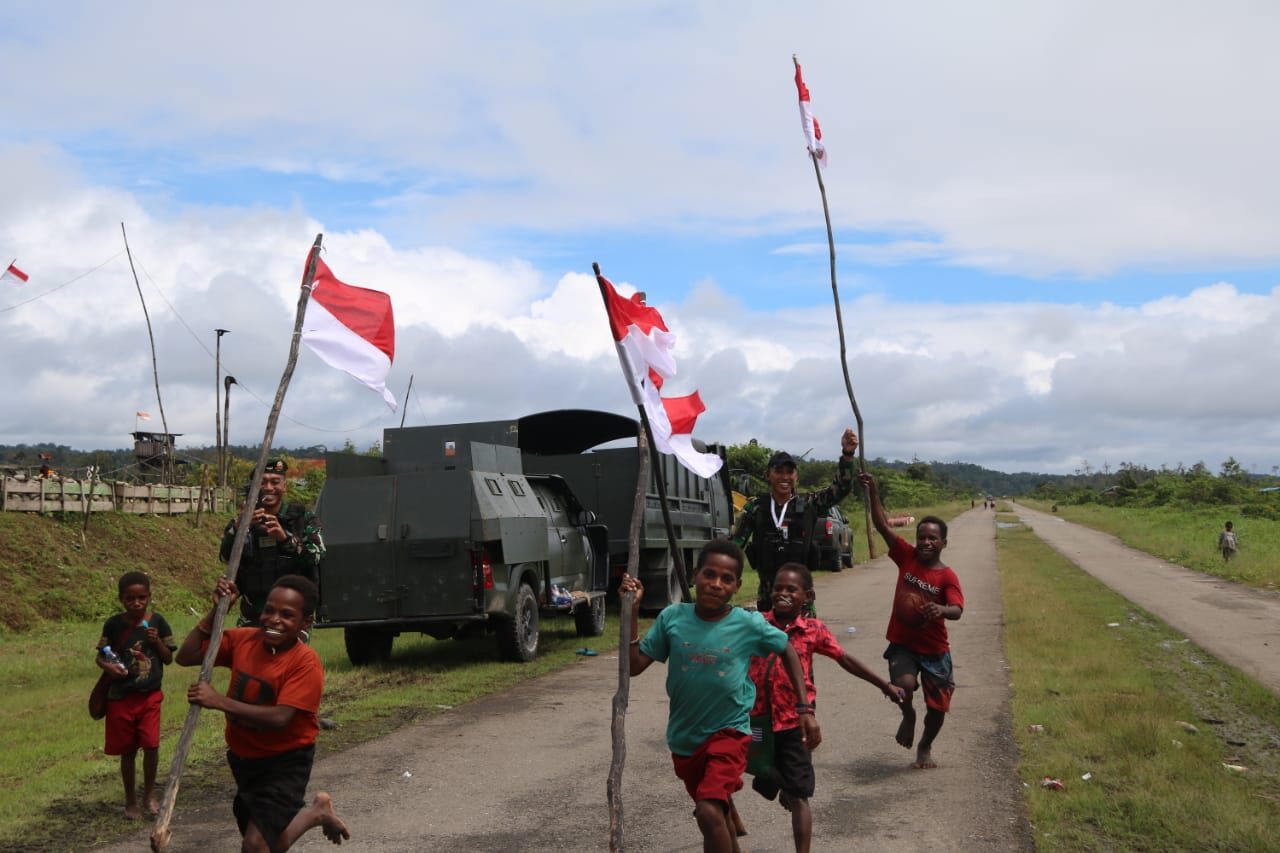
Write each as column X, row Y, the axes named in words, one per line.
column 589, row 617
column 367, row 645
column 661, row 583
column 846, row 559
column 829, row 560
column 518, row 633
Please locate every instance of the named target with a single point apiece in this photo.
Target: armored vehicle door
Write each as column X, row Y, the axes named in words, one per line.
column 358, row 578
column 434, row 575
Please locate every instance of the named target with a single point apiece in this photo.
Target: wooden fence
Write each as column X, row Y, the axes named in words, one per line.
column 61, row 494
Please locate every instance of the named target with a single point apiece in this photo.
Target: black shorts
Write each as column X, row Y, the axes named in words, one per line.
column 269, row 791
column 792, row 771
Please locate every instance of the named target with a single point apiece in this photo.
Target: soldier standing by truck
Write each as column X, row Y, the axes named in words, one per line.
column 283, row 540
column 778, row 527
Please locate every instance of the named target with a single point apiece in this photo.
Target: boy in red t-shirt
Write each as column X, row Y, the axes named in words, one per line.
column 271, row 705
column 927, row 592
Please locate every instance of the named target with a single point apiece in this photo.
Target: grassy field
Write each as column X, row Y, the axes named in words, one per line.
column 1150, row 717
column 1188, row 537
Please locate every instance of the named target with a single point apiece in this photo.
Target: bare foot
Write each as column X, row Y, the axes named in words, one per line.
column 906, row 735
column 333, row 828
column 152, row 807
column 132, row 812
column 924, row 761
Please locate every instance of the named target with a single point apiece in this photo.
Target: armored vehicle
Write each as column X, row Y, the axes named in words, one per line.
column 486, row 527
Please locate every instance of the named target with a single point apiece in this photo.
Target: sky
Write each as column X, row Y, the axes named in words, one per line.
column 1057, row 225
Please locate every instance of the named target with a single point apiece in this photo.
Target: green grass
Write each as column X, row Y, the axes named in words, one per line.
column 1112, row 701
column 1188, row 537
column 59, row 792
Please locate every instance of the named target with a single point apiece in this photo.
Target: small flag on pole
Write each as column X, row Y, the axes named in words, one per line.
column 352, row 329
column 14, row 274
column 809, row 122
column 142, row 416
column 644, row 346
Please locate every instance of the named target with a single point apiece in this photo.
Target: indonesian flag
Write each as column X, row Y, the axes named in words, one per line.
column 14, row 274
column 809, row 122
column 142, row 416
column 644, row 347
column 352, row 329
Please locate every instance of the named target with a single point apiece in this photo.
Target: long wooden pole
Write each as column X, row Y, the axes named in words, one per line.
column 160, row 835
column 844, row 363
column 167, row 463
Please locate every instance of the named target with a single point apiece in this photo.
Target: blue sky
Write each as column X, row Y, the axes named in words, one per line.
column 1056, row 222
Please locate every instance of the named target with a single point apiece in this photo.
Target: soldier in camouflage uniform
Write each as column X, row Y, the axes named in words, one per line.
column 282, row 540
column 778, row 527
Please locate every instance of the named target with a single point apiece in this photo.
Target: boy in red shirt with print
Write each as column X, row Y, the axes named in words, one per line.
column 919, row 654
column 270, row 706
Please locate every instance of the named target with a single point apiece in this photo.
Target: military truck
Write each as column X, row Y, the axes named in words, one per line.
column 485, row 527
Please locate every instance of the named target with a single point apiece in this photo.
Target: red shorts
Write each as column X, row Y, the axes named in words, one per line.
column 715, row 771
column 133, row 722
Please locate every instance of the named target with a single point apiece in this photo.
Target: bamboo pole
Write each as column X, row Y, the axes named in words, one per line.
column 160, row 835
column 167, row 464
column 844, row 362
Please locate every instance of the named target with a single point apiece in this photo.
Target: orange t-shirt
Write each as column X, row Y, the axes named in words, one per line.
column 294, row 677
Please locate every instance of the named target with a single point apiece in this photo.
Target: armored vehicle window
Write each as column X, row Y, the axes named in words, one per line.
column 494, row 488
column 516, row 488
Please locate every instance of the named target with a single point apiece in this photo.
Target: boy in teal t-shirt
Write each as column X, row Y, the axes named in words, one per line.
column 708, row 646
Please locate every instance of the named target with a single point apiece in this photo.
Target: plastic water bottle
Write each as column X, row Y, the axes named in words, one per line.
column 109, row 655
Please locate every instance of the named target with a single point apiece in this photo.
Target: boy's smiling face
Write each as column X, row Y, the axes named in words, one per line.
column 789, row 595
column 715, row 585
column 929, row 543
column 136, row 598
column 282, row 619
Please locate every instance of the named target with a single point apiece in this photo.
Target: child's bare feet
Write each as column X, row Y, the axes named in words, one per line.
column 152, row 807
column 332, row 827
column 132, row 812
column 906, row 735
column 924, row 760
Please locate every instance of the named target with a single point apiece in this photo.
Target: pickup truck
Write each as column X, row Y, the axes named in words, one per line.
column 834, row 540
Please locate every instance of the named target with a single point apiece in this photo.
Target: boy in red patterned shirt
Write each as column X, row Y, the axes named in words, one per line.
column 792, row 773
column 919, row 653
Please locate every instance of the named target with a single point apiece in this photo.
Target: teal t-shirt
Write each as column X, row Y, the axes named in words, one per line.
column 707, row 663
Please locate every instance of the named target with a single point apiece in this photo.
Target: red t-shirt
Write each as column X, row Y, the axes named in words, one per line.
column 917, row 585
column 294, row 677
column 808, row 636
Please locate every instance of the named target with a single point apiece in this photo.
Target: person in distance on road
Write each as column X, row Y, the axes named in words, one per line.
column 270, row 709
column 919, row 653
column 778, row 527
column 707, row 646
column 1227, row 542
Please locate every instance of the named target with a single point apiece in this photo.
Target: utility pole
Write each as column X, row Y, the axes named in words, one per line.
column 217, row 404
column 226, row 428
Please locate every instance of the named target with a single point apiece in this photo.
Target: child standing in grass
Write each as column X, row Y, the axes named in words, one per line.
column 919, row 653
column 1227, row 542
column 792, row 772
column 270, row 706
column 707, row 647
column 143, row 643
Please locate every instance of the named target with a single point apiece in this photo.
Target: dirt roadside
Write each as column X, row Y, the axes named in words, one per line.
column 525, row 770
column 1236, row 624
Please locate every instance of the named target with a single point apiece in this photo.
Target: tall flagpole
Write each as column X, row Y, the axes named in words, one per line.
column 844, row 363
column 160, row 835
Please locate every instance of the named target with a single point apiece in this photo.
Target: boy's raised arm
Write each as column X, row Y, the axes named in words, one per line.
column 878, row 517
column 639, row 660
column 191, row 652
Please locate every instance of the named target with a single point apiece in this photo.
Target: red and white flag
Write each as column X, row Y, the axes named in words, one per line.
column 644, row 347
column 352, row 329
column 14, row 274
column 812, row 131
column 142, row 416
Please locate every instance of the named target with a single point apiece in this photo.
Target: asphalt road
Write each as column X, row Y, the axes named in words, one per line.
column 526, row 770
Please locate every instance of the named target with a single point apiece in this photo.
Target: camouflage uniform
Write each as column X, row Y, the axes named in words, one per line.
column 264, row 560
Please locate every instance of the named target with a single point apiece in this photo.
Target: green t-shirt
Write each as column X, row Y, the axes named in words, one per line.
column 707, row 664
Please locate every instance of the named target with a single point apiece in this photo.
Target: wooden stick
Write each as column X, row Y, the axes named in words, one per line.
column 844, row 364
column 160, row 835
column 166, row 467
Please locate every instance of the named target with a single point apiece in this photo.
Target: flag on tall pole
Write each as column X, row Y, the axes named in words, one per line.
column 352, row 329
column 645, row 345
column 12, row 273
column 808, row 121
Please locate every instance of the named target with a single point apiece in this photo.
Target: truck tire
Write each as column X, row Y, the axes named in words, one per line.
column 588, row 617
column 518, row 633
column 367, row 645
column 661, row 583
column 846, row 559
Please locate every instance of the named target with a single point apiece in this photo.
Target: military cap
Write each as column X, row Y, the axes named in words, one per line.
column 275, row 465
column 781, row 458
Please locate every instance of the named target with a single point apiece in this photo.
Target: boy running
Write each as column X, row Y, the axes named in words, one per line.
column 707, row 646
column 270, row 706
column 792, row 766
column 143, row 641
column 919, row 654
